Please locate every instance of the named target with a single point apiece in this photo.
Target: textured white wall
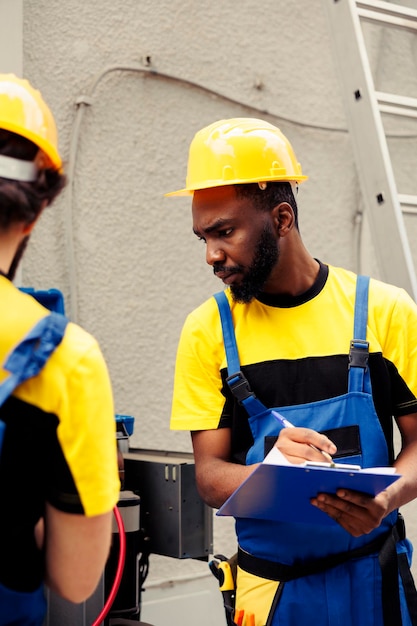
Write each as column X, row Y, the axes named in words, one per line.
column 137, row 268
column 11, row 31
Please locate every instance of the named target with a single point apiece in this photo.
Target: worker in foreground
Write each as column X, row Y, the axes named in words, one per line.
column 293, row 317
column 58, row 464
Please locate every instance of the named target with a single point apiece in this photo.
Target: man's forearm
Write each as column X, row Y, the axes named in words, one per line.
column 218, row 479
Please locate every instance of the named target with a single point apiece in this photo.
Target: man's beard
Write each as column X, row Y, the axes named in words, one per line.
column 265, row 258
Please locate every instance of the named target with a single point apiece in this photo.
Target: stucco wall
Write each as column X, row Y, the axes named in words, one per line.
column 125, row 256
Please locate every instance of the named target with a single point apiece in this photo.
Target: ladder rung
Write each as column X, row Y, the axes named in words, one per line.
column 396, row 105
column 388, row 14
column 369, row 141
column 408, row 203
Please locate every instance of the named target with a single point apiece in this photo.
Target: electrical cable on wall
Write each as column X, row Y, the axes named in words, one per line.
column 86, row 100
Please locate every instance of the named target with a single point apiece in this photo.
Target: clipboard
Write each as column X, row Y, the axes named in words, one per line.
column 283, row 492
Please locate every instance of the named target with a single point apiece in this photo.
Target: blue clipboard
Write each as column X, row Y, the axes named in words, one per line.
column 283, row 493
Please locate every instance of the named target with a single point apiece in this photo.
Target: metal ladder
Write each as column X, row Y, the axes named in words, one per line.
column 384, row 205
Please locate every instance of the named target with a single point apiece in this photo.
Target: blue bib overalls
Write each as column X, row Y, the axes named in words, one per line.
column 331, row 578
column 19, row 608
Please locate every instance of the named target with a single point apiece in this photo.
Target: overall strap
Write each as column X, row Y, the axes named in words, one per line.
column 30, row 355
column 236, row 380
column 359, row 378
column 229, row 338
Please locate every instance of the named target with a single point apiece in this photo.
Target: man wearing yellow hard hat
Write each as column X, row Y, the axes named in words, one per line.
column 58, row 463
column 294, row 341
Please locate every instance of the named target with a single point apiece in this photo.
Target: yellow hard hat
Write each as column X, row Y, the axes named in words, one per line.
column 24, row 112
column 236, row 151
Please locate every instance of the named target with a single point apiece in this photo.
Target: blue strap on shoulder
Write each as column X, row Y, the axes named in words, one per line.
column 236, row 380
column 359, row 377
column 30, row 355
column 229, row 338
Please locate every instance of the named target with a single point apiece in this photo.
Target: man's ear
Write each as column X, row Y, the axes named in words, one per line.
column 283, row 217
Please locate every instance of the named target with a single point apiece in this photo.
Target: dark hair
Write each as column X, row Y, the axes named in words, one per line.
column 265, row 199
column 22, row 201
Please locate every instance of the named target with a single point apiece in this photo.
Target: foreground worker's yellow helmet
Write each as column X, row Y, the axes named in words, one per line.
column 236, row 151
column 24, row 112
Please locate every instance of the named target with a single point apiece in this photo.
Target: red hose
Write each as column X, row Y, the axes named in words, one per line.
column 119, row 571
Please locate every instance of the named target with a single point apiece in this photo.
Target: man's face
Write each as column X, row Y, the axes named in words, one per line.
column 241, row 245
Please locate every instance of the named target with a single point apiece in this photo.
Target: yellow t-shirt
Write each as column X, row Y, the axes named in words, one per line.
column 295, row 351
column 70, row 406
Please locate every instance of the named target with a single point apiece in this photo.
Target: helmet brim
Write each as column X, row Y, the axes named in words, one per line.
column 210, row 185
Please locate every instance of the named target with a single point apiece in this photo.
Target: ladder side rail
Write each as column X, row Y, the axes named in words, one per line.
column 370, row 147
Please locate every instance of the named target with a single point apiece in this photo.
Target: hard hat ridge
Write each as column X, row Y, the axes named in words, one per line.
column 238, row 151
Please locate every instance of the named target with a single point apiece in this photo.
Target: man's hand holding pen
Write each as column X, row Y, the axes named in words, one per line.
column 304, row 444
column 356, row 512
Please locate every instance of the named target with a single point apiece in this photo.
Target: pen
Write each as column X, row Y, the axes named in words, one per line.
column 286, row 424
